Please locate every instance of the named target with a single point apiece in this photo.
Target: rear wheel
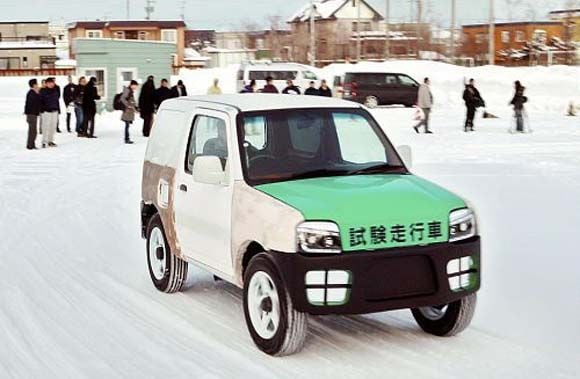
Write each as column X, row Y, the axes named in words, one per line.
column 274, row 325
column 371, row 101
column 446, row 320
column 167, row 271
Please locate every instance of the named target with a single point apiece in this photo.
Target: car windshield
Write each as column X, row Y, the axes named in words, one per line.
column 310, row 143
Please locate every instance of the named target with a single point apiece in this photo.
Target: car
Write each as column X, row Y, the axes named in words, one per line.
column 300, row 74
column 377, row 88
column 304, row 203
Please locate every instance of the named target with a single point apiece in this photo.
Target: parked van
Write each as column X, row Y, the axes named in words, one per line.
column 377, row 88
column 280, row 72
column 305, row 204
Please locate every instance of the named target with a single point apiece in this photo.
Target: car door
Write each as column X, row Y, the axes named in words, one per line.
column 389, row 93
column 408, row 89
column 203, row 211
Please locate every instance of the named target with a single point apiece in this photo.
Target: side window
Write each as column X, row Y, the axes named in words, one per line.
column 407, row 81
column 391, row 80
column 309, row 75
column 351, row 127
column 258, row 75
column 305, row 133
column 208, row 138
column 255, row 131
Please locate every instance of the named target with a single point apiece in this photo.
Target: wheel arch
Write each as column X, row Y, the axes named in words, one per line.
column 147, row 213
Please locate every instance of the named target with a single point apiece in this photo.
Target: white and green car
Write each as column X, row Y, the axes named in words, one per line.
column 303, row 202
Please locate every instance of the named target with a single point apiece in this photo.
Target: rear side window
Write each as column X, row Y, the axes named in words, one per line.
column 366, row 79
column 337, row 81
column 407, row 81
column 309, row 75
column 259, row 75
column 391, row 80
column 163, row 147
column 240, row 75
column 305, row 133
column 208, row 138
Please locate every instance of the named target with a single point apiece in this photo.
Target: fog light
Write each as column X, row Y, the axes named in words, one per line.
column 315, row 278
column 315, row 296
column 336, row 296
column 338, row 277
column 453, row 266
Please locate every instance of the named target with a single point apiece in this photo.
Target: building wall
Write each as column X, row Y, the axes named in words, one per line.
column 19, row 48
column 24, row 29
column 28, row 58
column 148, row 58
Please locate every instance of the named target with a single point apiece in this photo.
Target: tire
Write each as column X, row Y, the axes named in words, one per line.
column 167, row 271
column 449, row 321
column 284, row 333
column 371, row 102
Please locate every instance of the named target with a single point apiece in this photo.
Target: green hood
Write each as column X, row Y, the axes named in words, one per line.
column 373, row 211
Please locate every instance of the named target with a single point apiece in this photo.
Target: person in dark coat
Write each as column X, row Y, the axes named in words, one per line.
column 49, row 110
column 32, row 111
column 162, row 93
column 473, row 100
column 90, row 97
column 311, row 90
column 270, row 87
column 78, row 104
column 179, row 90
column 324, row 90
column 130, row 107
column 291, row 88
column 250, row 88
column 147, row 104
column 69, row 95
column 59, row 96
column 518, row 102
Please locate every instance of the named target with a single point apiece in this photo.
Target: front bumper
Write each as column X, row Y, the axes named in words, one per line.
column 381, row 280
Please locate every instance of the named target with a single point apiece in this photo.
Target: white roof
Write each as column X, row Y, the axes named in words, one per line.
column 277, row 67
column 262, row 102
column 324, row 9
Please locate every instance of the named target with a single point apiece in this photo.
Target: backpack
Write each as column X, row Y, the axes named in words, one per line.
column 117, row 103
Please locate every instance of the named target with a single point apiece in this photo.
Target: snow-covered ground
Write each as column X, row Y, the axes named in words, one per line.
column 76, row 299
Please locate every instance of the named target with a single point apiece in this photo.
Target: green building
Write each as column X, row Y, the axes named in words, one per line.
column 115, row 62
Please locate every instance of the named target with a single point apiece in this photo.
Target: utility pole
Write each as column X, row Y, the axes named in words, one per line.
column 183, row 4
column 358, row 32
column 387, row 21
column 491, row 33
column 128, row 9
column 312, row 34
column 149, row 8
column 418, row 29
column 452, row 34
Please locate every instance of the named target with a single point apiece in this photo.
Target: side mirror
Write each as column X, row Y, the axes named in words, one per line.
column 208, row 170
column 406, row 154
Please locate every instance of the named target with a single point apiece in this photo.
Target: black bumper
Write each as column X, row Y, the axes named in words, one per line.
column 384, row 280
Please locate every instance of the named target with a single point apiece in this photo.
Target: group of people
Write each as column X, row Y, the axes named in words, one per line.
column 290, row 89
column 473, row 100
column 43, row 109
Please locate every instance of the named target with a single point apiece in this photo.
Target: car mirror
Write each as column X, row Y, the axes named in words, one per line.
column 208, row 170
column 406, row 154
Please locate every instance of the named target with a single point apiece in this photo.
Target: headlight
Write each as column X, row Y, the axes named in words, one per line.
column 318, row 237
column 462, row 225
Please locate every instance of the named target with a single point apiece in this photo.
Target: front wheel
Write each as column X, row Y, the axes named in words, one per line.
column 274, row 325
column 371, row 102
column 446, row 320
column 167, row 271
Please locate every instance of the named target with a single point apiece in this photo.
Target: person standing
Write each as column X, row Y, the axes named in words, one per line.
column 518, row 102
column 311, row 90
column 32, row 111
column 324, row 90
column 291, row 88
column 90, row 97
column 130, row 107
column 42, row 85
column 249, row 88
column 49, row 108
column 179, row 89
column 425, row 102
column 473, row 100
column 162, row 93
column 78, row 105
column 147, row 104
column 59, row 96
column 270, row 87
column 69, row 96
column 215, row 88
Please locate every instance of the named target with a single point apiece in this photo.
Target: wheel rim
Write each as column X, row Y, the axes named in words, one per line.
column 372, row 102
column 157, row 254
column 434, row 313
column 263, row 305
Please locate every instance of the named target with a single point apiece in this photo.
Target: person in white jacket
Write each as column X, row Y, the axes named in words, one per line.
column 425, row 102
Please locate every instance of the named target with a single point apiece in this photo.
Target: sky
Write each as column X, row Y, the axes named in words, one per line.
column 234, row 14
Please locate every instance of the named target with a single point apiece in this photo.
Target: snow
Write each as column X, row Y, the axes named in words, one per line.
column 76, row 299
column 324, row 9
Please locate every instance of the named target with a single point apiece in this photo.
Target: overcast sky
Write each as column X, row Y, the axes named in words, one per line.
column 232, row 14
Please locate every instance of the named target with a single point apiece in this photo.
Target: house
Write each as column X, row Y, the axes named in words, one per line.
column 571, row 20
column 514, row 41
column 226, row 57
column 336, row 24
column 59, row 34
column 198, row 39
column 170, row 31
column 115, row 62
column 26, row 45
column 271, row 44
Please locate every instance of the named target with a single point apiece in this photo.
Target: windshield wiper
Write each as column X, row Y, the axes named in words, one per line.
column 318, row 174
column 383, row 168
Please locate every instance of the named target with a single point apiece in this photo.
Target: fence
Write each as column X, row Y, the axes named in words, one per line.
column 38, row 72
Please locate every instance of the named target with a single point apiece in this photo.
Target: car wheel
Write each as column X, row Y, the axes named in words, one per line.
column 167, row 271
column 371, row 101
column 446, row 320
column 274, row 325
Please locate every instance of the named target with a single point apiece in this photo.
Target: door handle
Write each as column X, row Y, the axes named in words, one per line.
column 183, row 187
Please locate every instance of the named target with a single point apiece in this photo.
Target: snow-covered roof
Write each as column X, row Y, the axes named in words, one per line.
column 323, row 8
column 263, row 102
column 13, row 45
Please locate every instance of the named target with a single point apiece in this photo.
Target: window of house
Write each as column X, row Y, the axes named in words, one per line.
column 120, row 35
column 480, row 38
column 505, row 37
column 24, row 62
column 520, row 36
column 100, row 75
column 94, row 34
column 143, row 36
column 169, row 35
column 9, row 63
column 322, row 46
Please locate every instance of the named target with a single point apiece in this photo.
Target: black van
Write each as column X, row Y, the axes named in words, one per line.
column 377, row 88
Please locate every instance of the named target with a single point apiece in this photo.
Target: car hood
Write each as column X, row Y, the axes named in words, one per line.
column 373, row 211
